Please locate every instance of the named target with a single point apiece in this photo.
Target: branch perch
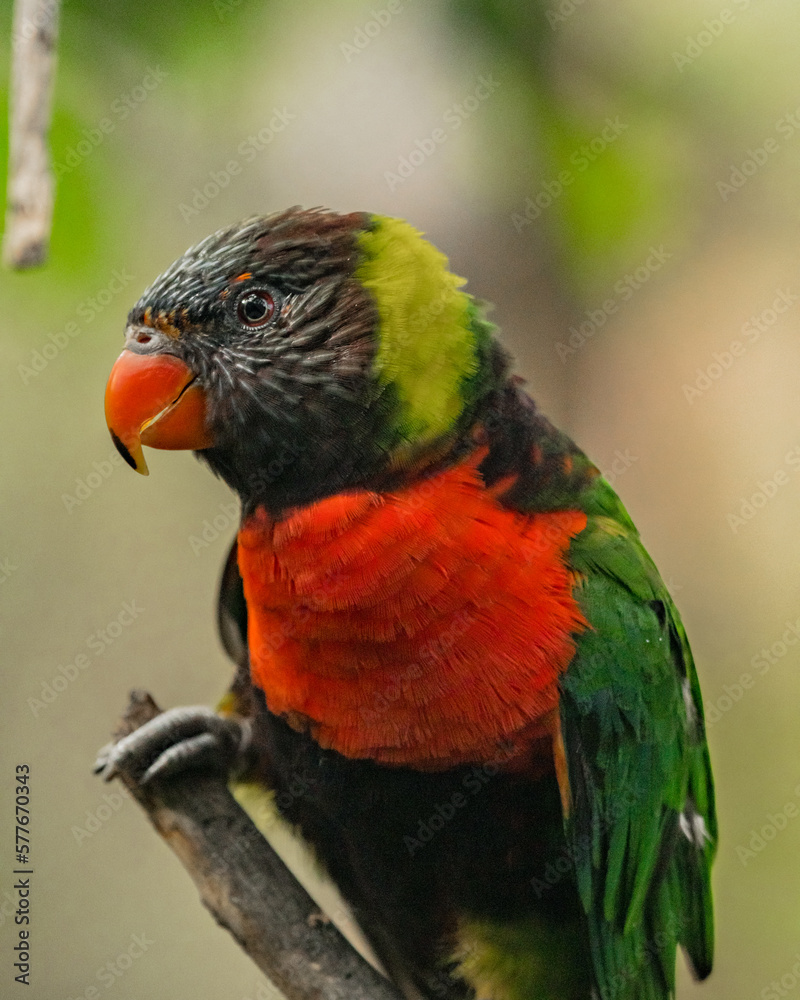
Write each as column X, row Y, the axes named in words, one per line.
column 247, row 887
column 29, row 211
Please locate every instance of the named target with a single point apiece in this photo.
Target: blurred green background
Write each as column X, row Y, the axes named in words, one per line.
column 619, row 178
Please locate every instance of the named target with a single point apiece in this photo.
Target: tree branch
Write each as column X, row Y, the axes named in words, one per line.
column 247, row 887
column 29, row 211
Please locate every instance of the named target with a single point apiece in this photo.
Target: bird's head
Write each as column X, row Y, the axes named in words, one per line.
column 301, row 354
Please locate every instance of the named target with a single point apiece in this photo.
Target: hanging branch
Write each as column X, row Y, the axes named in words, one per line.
column 29, row 210
column 247, row 887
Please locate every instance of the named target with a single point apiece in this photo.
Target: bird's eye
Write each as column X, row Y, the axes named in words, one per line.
column 255, row 309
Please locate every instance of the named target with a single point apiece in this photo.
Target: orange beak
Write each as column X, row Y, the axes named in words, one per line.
column 153, row 399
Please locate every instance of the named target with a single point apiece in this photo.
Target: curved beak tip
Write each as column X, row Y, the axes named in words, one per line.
column 153, row 399
column 134, row 457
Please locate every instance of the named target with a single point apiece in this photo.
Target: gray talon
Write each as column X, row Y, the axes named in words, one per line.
column 180, row 738
column 102, row 757
column 197, row 751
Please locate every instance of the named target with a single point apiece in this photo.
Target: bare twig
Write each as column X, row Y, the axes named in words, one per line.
column 30, row 180
column 247, row 887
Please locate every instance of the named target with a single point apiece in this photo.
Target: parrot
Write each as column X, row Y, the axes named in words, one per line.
column 458, row 670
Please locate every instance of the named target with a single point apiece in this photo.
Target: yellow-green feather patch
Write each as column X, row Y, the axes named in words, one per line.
column 527, row 959
column 427, row 346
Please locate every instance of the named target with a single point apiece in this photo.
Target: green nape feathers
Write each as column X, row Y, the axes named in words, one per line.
column 431, row 339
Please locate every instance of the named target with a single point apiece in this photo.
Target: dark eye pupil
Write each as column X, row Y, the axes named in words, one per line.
column 255, row 308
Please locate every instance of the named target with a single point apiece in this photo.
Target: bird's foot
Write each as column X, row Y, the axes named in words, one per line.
column 189, row 737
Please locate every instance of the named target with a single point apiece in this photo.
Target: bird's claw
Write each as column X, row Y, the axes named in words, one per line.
column 175, row 741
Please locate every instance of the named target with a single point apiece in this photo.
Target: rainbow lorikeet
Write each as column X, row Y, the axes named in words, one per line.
column 449, row 634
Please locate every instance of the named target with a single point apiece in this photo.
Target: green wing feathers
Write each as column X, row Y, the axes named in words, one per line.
column 642, row 825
